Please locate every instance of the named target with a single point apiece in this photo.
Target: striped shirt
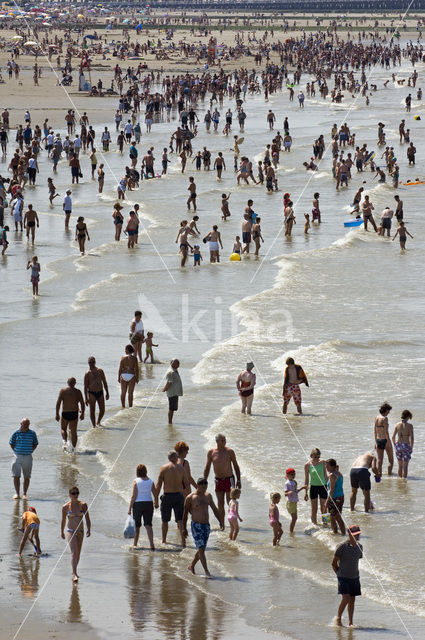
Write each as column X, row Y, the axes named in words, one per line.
column 23, row 442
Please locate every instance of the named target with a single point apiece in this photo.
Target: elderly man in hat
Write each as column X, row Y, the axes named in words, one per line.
column 245, row 383
column 345, row 563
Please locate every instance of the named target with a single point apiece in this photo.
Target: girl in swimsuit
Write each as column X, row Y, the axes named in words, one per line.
column 128, row 375
column 75, row 511
column 81, row 233
column 233, row 513
column 274, row 518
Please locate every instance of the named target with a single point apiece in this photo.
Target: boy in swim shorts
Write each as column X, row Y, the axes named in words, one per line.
column 30, row 527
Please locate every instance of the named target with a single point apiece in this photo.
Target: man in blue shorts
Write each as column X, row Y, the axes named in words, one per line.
column 197, row 504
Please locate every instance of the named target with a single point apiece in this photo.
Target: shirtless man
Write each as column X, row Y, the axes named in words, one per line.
column 30, row 220
column 214, row 239
column 271, row 119
column 94, row 384
column 246, row 232
column 382, row 438
column 219, row 165
column 132, row 229
column 360, row 477
column 147, row 164
column 225, row 466
column 404, row 440
column 173, row 477
column 197, row 504
column 367, row 208
column 69, row 397
column 184, row 243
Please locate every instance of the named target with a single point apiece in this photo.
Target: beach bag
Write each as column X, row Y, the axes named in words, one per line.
column 129, row 528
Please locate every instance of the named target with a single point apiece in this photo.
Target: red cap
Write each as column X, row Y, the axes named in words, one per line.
column 354, row 529
column 32, row 509
column 289, row 470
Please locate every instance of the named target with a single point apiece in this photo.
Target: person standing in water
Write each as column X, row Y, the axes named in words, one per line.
column 225, row 466
column 137, row 333
column 245, row 383
column 142, row 505
column 128, row 375
column 197, row 504
column 173, row 477
column 403, row 438
column 94, row 384
column 382, row 438
column 360, row 478
column 292, row 378
column 173, row 388
column 402, row 234
column 70, row 398
column 345, row 563
column 75, row 511
column 315, row 478
column 35, row 267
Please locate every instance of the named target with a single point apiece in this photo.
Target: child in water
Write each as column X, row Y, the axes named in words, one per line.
column 401, row 233
column 197, row 256
column 30, row 527
column 307, row 222
column 34, row 265
column 291, row 493
column 274, row 518
column 237, row 247
column 149, row 344
column 225, row 206
column 233, row 513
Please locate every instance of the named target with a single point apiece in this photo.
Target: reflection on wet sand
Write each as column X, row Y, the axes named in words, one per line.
column 74, row 611
column 179, row 609
column 28, row 576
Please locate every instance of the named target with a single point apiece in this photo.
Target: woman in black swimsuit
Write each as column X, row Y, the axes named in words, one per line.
column 81, row 233
column 118, row 220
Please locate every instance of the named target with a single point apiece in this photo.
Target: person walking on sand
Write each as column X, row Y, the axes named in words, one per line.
column 403, row 438
column 75, row 511
column 94, row 384
column 23, row 443
column 142, row 505
column 71, row 399
column 245, row 383
column 292, row 378
column 360, row 478
column 345, row 563
column 173, row 478
column 197, row 504
column 128, row 375
column 225, row 467
column 173, row 388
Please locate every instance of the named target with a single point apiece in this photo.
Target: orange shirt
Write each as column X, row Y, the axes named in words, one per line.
column 30, row 517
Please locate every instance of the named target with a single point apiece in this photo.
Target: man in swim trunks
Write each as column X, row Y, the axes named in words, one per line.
column 367, row 208
column 292, row 378
column 246, row 232
column 345, row 563
column 30, row 220
column 225, row 467
column 94, row 383
column 173, row 476
column 360, row 477
column 69, row 397
column 197, row 504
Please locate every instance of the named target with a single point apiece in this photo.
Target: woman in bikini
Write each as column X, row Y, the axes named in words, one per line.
column 128, row 375
column 75, row 511
column 382, row 438
column 81, row 233
column 245, row 383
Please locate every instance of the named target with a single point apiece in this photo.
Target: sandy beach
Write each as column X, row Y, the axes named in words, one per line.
column 345, row 303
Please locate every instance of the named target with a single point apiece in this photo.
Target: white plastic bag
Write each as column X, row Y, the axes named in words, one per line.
column 129, row 528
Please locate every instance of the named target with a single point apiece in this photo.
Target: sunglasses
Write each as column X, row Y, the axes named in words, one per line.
column 74, row 493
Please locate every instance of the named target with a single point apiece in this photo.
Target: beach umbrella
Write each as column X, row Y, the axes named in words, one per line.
column 80, row 15
column 139, row 26
column 30, row 43
column 17, row 38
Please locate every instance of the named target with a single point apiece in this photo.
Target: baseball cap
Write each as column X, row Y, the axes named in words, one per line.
column 289, row 470
column 354, row 529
